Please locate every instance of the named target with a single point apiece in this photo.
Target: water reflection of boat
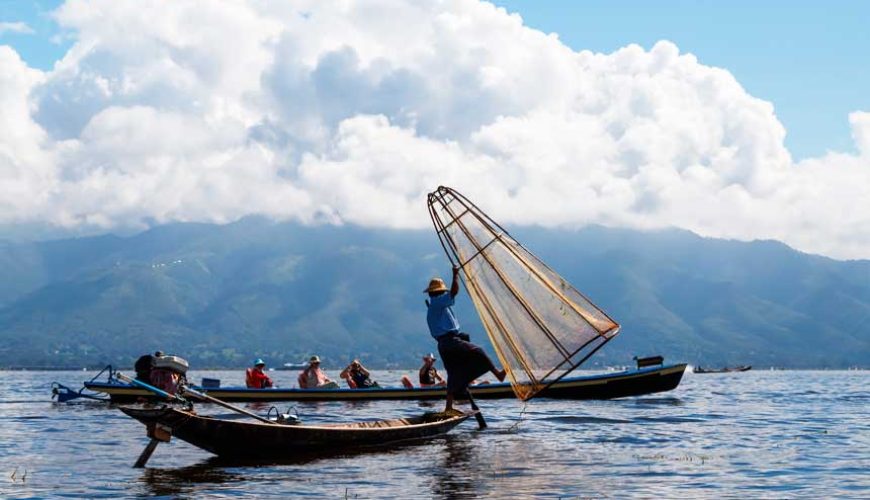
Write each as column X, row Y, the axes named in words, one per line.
column 236, row 438
column 699, row 369
column 610, row 385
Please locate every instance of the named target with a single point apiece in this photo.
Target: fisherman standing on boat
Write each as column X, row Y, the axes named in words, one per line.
column 463, row 360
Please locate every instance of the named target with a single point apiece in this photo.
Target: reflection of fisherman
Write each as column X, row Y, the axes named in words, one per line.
column 463, row 360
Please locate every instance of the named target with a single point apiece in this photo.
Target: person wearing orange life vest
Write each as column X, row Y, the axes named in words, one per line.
column 256, row 378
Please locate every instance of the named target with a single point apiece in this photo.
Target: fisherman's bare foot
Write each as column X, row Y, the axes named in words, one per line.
column 500, row 375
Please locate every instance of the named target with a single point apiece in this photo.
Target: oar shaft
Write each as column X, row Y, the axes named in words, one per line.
column 481, row 422
column 146, row 453
column 149, row 387
column 206, row 397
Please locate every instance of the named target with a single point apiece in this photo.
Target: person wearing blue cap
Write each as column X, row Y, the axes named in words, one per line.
column 256, row 378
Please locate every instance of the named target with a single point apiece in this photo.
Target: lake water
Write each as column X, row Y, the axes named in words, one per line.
column 758, row 434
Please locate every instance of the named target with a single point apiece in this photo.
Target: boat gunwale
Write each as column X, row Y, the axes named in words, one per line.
column 352, row 426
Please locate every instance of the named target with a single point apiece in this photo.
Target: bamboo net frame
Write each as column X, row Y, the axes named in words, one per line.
column 540, row 325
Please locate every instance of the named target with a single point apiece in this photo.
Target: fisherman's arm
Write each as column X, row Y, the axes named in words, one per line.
column 454, row 287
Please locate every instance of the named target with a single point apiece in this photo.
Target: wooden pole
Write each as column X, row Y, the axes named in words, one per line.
column 139, row 383
column 146, row 453
column 205, row 397
column 198, row 395
column 481, row 422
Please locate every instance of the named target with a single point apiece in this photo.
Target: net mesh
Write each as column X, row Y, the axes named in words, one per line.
column 540, row 325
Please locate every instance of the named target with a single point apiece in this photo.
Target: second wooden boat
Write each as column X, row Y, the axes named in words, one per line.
column 626, row 383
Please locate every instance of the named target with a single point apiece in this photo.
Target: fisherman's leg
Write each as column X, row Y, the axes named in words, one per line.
column 449, row 406
column 500, row 374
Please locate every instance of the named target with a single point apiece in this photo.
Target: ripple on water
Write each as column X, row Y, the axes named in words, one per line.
column 572, row 419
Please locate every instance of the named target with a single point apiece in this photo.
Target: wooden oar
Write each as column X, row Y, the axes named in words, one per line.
column 149, row 387
column 187, row 391
column 481, row 422
column 146, row 453
column 152, row 444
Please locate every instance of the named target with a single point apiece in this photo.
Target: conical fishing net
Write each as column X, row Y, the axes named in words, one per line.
column 540, row 325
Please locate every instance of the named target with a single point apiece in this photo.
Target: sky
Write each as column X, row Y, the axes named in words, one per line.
column 732, row 120
column 802, row 56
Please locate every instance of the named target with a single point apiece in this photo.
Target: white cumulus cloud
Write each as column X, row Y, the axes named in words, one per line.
column 345, row 112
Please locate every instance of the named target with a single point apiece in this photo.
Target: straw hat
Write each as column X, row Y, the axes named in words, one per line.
column 314, row 359
column 436, row 285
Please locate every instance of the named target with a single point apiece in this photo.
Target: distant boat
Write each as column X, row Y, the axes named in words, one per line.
column 293, row 366
column 699, row 369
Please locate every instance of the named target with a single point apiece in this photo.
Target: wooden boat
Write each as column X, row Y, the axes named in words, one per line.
column 238, row 438
column 604, row 386
column 698, row 369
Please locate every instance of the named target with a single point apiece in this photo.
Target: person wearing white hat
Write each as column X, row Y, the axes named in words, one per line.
column 463, row 360
column 314, row 378
column 429, row 375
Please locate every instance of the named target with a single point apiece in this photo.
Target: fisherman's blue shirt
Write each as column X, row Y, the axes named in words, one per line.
column 440, row 315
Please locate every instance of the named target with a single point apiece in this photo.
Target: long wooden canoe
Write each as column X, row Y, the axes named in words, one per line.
column 248, row 439
column 745, row 368
column 604, row 386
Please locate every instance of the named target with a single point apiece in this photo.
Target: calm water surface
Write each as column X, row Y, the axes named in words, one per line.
column 757, row 434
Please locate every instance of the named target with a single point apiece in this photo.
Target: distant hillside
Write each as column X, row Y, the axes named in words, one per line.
column 220, row 295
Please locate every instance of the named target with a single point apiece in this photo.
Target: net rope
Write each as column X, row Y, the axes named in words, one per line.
column 540, row 325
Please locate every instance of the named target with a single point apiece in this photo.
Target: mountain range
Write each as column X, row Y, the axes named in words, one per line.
column 220, row 295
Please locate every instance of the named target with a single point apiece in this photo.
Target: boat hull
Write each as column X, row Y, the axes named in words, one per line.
column 605, row 386
column 699, row 369
column 236, row 439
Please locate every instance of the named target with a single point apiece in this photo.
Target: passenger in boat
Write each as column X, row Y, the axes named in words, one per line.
column 314, row 378
column 429, row 375
column 463, row 360
column 168, row 372
column 144, row 365
column 357, row 376
column 256, row 378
